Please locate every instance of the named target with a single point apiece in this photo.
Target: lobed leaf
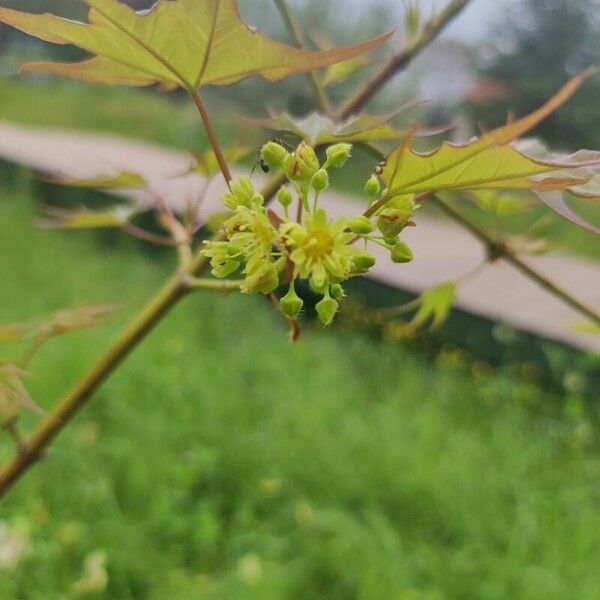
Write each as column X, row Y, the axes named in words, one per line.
column 317, row 129
column 176, row 43
column 83, row 218
column 124, row 179
column 557, row 202
column 488, row 162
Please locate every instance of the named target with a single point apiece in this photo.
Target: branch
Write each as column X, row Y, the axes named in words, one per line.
column 151, row 314
column 401, row 61
column 218, row 285
column 296, row 33
column 498, row 249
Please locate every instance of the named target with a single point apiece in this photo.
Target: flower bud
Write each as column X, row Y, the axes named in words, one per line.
column 337, row 291
column 401, row 253
column 361, row 225
column 363, row 262
column 338, row 154
column 291, row 303
column 263, row 280
column 395, row 215
column 284, row 197
column 373, row 186
column 302, row 164
column 327, row 309
column 242, row 193
column 273, row 154
column 320, row 180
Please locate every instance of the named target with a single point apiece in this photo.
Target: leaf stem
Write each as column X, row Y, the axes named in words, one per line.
column 212, row 135
column 218, row 285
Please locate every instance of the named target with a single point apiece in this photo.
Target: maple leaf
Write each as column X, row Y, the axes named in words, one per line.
column 176, row 43
column 317, row 129
column 489, row 162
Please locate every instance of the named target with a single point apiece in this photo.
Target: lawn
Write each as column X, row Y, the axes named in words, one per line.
column 223, row 462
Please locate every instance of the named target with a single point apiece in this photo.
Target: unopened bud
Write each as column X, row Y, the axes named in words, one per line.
column 302, row 164
column 273, row 154
column 291, row 303
column 373, row 186
column 327, row 309
column 263, row 281
column 338, row 154
column 401, row 253
column 320, row 180
column 284, row 197
column 363, row 262
column 242, row 193
column 337, row 291
column 361, row 225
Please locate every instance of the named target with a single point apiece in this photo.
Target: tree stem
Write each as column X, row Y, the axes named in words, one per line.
column 174, row 289
column 402, row 60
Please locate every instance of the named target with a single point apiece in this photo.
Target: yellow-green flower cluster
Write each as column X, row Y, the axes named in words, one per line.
column 269, row 250
column 250, row 237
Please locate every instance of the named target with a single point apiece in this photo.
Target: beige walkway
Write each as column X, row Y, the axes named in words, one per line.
column 443, row 250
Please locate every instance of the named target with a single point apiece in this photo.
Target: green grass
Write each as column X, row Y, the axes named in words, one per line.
column 223, row 462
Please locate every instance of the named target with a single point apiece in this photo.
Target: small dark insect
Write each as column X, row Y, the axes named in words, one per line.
column 264, row 167
column 380, row 167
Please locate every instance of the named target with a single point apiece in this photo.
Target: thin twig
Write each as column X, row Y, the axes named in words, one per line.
column 138, row 330
column 148, row 236
column 402, row 60
column 218, row 285
column 498, row 249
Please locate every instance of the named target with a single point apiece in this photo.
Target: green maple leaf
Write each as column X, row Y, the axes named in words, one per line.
column 489, row 162
column 317, row 129
column 83, row 218
column 176, row 43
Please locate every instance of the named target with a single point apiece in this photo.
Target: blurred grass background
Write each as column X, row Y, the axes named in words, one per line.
column 222, row 462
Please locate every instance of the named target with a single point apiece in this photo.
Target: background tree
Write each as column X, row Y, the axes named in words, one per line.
column 538, row 44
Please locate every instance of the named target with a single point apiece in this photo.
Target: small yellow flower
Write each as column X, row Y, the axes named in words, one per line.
column 242, row 193
column 250, row 238
column 319, row 250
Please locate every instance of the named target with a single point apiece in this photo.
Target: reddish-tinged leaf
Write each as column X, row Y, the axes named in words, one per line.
column 556, row 201
column 176, row 43
column 486, row 163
